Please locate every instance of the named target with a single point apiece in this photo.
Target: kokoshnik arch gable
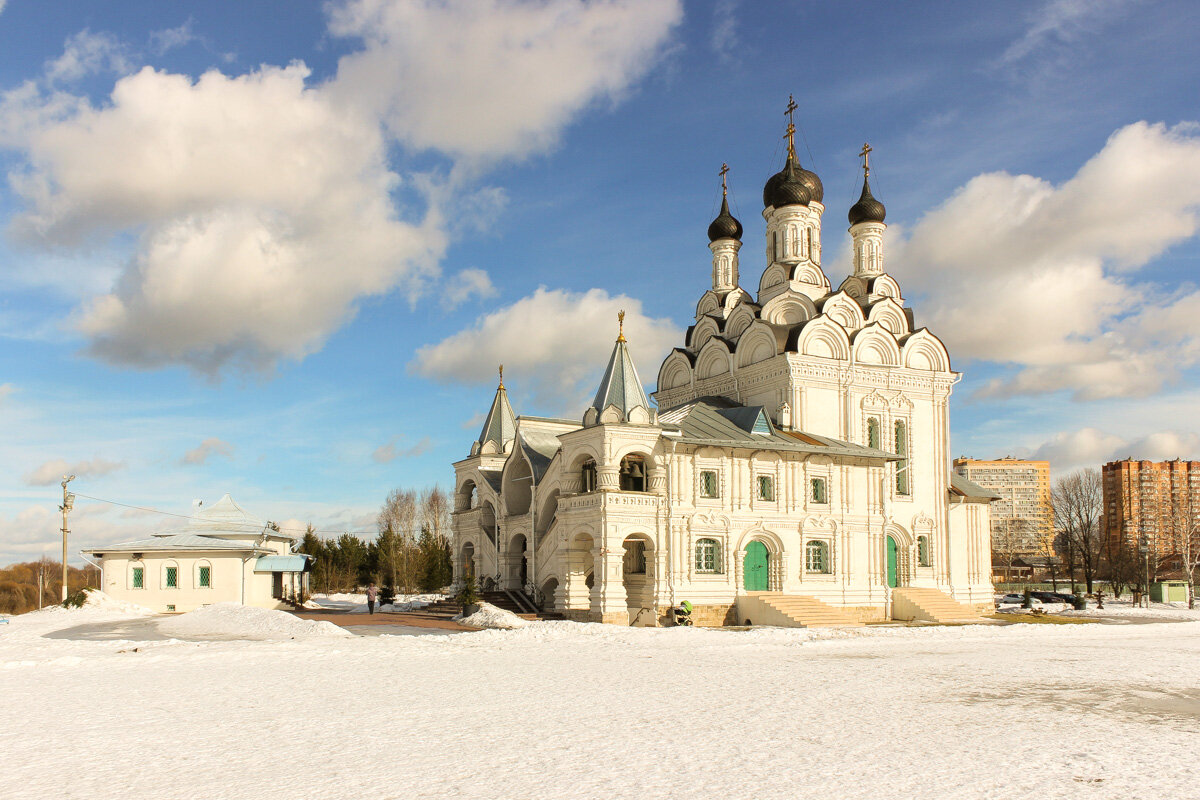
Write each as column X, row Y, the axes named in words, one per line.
column 798, row 472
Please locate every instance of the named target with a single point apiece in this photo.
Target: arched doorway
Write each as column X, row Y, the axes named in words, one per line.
column 891, row 563
column 637, row 576
column 518, row 561
column 755, row 567
column 466, row 560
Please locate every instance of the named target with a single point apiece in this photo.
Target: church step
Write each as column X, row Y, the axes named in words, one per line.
column 802, row 611
column 930, row 605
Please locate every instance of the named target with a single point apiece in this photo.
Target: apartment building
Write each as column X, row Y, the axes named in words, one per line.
column 1022, row 520
column 1157, row 500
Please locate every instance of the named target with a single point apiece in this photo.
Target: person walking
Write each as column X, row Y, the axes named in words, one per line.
column 372, row 593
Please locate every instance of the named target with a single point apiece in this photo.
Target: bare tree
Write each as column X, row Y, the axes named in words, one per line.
column 1077, row 501
column 1183, row 537
column 400, row 515
column 1006, row 544
column 435, row 513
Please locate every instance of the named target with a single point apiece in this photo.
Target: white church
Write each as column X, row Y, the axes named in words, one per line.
column 794, row 469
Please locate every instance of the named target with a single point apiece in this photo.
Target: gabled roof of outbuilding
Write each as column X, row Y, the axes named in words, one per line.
column 179, row 541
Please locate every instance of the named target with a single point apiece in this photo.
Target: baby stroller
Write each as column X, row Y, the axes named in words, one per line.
column 683, row 613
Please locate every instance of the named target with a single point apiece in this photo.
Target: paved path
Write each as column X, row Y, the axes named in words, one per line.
column 425, row 622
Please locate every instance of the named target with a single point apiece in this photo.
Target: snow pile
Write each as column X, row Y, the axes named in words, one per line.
column 234, row 619
column 489, row 616
column 106, row 602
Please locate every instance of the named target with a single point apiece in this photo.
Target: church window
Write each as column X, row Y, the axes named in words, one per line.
column 205, row 577
column 766, row 487
column 816, row 557
column 632, row 475
column 809, row 234
column 923, row 558
column 873, row 432
column 589, row 476
column 139, row 578
column 635, row 557
column 902, row 485
column 172, row 577
column 819, row 494
column 708, row 483
column 708, row 556
column 775, row 246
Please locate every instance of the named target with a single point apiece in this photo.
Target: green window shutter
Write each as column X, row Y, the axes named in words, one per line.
column 708, row 483
column 873, row 433
column 172, row 577
column 766, row 487
column 139, row 580
column 206, row 576
column 818, row 490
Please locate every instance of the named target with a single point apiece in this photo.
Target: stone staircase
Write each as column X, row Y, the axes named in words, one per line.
column 929, row 605
column 791, row 611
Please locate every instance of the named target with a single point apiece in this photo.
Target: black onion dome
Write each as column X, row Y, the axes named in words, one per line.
column 725, row 226
column 816, row 191
column 867, row 209
column 787, row 187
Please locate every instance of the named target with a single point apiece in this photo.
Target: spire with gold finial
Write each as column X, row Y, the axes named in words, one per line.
column 621, row 325
column 620, row 393
column 500, row 425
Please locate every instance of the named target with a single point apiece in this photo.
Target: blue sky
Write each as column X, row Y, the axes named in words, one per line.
column 278, row 248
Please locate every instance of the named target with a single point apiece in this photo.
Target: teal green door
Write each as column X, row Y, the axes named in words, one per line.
column 754, row 567
column 891, row 545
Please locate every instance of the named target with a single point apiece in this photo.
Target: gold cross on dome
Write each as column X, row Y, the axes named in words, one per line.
column 865, row 153
column 791, row 127
column 724, row 172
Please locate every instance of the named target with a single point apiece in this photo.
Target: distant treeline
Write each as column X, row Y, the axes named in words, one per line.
column 411, row 552
column 19, row 584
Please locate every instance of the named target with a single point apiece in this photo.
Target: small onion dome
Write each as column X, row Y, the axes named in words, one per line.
column 725, row 226
column 787, row 187
column 867, row 209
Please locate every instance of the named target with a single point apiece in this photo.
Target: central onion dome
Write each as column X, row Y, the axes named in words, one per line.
column 725, row 226
column 867, row 209
column 788, row 187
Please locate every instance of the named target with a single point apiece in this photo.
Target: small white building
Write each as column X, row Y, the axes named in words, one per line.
column 796, row 469
column 223, row 554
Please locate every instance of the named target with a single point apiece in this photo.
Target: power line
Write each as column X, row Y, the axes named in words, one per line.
column 233, row 525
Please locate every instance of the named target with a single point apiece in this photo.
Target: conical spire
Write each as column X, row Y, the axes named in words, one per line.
column 621, row 388
column 500, row 427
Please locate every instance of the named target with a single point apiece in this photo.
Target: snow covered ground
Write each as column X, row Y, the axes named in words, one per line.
column 557, row 709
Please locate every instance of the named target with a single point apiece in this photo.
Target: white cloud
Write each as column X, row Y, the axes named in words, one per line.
column 264, row 213
column 261, row 206
column 53, row 472
column 487, row 79
column 724, row 36
column 87, row 53
column 1090, row 447
column 6, row 390
column 471, row 282
column 1060, row 24
column 2, row 2
column 389, row 452
column 1020, row 271
column 209, row 447
column 554, row 346
column 168, row 39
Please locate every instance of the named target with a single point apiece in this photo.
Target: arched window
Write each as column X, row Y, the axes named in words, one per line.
column 816, row 557
column 873, row 432
column 170, row 575
column 203, row 575
column 902, row 484
column 708, row 556
column 923, row 558
column 632, row 475
column 137, row 577
column 588, row 476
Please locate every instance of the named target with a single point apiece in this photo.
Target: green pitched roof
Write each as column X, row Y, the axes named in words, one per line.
column 500, row 426
column 621, row 386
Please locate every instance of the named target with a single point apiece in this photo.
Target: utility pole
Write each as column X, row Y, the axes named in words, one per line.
column 67, row 504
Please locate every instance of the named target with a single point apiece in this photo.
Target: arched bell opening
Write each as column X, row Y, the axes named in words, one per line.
column 632, row 474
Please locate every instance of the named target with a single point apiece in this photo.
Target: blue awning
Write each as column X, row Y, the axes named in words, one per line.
column 281, row 564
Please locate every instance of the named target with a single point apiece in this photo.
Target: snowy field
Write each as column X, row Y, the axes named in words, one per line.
column 561, row 710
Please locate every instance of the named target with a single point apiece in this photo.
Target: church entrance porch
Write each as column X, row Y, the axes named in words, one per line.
column 755, row 567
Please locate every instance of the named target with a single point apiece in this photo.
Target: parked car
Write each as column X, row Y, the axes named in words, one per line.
column 1054, row 597
column 1015, row 599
